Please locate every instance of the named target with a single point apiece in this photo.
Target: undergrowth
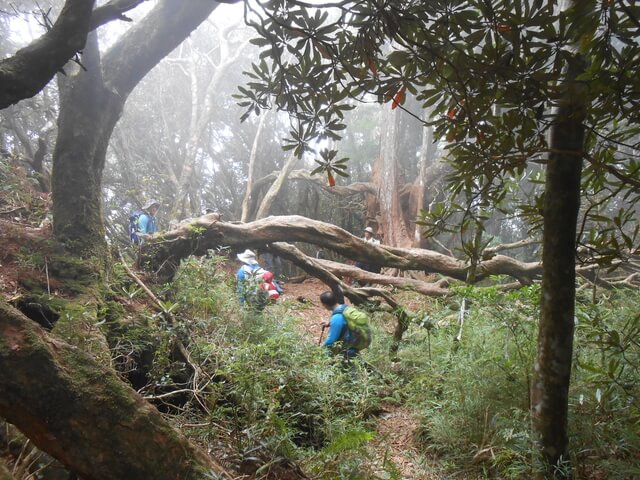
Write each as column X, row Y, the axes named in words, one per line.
column 272, row 398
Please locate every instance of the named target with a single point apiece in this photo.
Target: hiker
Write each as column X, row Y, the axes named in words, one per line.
column 143, row 224
column 250, row 277
column 369, row 238
column 270, row 286
column 349, row 330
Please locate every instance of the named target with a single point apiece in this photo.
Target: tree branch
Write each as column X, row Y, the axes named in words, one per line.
column 28, row 71
column 113, row 10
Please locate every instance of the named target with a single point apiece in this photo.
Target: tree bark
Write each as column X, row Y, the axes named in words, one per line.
column 391, row 225
column 81, row 413
column 550, row 391
column 419, row 187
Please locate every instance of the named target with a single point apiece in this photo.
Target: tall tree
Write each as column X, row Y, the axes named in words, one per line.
column 91, row 105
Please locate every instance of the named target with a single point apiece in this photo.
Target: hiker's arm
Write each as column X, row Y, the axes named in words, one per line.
column 335, row 329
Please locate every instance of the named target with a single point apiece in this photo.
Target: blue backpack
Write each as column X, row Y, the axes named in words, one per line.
column 134, row 227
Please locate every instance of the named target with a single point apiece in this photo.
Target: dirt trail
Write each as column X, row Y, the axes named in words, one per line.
column 396, row 425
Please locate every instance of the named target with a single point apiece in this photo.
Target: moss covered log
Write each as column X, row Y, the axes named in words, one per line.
column 81, row 413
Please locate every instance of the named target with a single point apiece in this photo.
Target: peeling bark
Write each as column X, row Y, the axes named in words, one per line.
column 391, row 225
column 80, row 412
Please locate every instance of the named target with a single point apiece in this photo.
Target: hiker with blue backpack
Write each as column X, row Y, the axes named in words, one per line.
column 143, row 224
column 249, row 281
column 349, row 329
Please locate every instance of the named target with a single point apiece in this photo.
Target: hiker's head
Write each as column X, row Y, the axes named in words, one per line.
column 368, row 233
column 247, row 257
column 267, row 276
column 328, row 300
column 152, row 207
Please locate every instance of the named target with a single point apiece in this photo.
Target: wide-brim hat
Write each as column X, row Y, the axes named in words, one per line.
column 150, row 204
column 369, row 229
column 247, row 257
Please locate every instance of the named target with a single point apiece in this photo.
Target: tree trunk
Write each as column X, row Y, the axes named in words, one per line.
column 80, row 412
column 90, row 108
column 31, row 68
column 276, row 186
column 550, row 392
column 246, row 201
column 391, row 224
column 427, row 157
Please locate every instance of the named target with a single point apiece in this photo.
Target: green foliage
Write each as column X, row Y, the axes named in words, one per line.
column 604, row 396
column 273, row 396
column 489, row 73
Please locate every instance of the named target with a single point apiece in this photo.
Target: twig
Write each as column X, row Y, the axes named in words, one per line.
column 46, row 272
column 463, row 311
column 168, row 394
column 9, row 212
column 197, row 372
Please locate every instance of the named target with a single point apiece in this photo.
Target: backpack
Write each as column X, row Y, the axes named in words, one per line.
column 134, row 227
column 252, row 286
column 359, row 328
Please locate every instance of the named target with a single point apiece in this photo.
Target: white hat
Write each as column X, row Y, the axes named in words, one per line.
column 247, row 257
column 369, row 229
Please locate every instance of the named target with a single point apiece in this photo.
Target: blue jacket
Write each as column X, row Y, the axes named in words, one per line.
column 147, row 224
column 338, row 330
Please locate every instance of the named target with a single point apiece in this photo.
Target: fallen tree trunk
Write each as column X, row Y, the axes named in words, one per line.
column 437, row 289
column 165, row 250
column 81, row 413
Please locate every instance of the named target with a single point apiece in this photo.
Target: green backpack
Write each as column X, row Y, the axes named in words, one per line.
column 358, row 324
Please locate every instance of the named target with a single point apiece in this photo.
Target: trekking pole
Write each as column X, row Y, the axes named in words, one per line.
column 324, row 327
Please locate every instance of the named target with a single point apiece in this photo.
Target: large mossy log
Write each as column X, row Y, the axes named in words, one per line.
column 164, row 252
column 81, row 413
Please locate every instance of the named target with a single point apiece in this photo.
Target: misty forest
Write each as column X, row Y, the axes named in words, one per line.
column 306, row 239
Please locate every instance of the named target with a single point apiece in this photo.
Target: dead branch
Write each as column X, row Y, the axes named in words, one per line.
column 197, row 371
column 491, row 251
column 436, row 289
column 113, row 10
